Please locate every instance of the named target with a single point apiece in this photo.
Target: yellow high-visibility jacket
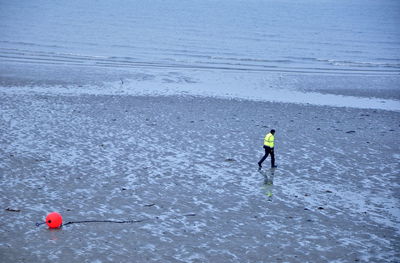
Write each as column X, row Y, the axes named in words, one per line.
column 269, row 140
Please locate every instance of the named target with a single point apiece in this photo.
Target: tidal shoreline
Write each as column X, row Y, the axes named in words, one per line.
column 160, row 158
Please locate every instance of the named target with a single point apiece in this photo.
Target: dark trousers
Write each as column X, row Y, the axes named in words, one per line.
column 268, row 150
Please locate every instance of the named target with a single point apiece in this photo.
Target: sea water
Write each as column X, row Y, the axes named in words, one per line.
column 324, row 37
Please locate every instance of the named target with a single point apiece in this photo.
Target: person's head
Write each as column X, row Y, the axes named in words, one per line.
column 273, row 131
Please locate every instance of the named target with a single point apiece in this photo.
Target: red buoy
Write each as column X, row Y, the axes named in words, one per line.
column 54, row 220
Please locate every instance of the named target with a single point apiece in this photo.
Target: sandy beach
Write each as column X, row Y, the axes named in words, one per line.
column 147, row 118
column 187, row 167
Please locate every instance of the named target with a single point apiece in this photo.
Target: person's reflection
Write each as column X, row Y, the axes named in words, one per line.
column 268, row 182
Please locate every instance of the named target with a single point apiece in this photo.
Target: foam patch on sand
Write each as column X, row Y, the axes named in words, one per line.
column 250, row 86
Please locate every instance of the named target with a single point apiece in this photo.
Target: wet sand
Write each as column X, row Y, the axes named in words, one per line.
column 188, row 167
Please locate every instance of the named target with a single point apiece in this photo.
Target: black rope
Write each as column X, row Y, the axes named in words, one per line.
column 104, row 221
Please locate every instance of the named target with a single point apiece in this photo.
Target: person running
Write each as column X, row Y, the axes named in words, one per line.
column 269, row 149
